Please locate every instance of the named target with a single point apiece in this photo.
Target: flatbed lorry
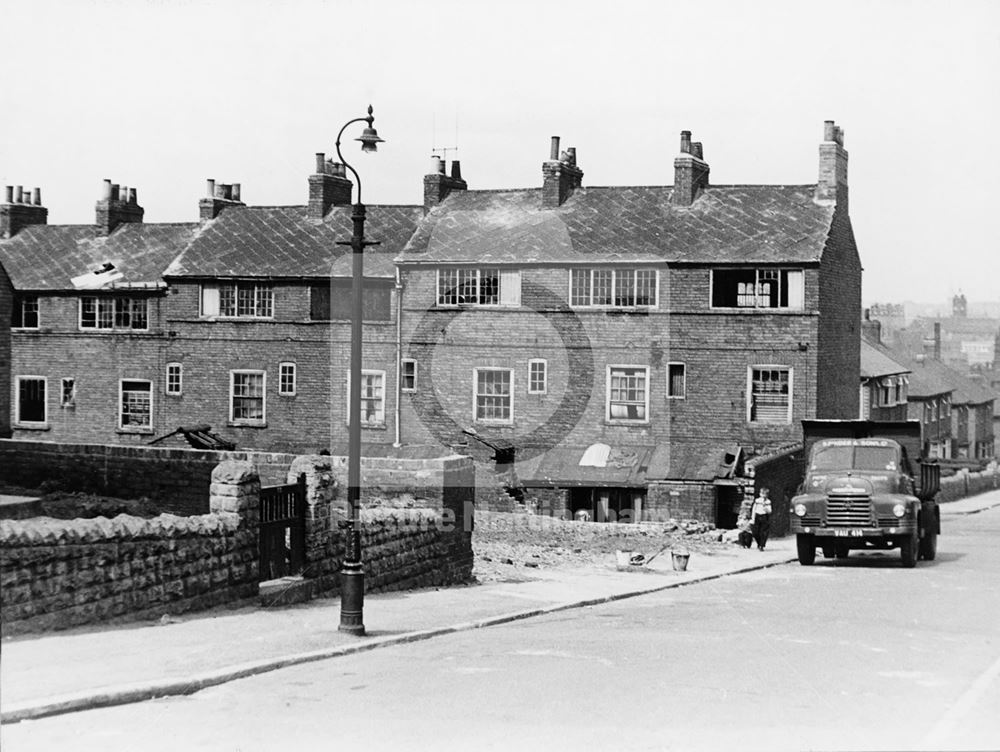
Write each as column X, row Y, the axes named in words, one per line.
column 865, row 487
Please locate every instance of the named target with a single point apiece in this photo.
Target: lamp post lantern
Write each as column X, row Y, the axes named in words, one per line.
column 352, row 575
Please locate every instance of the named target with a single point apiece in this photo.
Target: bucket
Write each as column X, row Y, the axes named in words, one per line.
column 680, row 561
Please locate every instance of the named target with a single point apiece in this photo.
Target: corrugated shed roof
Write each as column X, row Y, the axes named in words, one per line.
column 560, row 466
column 284, row 242
column 726, row 224
column 876, row 361
column 47, row 257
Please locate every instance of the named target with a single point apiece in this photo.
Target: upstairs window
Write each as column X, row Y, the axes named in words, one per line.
column 30, row 403
column 628, row 394
column 537, row 376
column 246, row 397
column 372, row 398
column 676, row 380
column 238, row 300
column 770, row 394
column 175, row 379
column 622, row 288
column 114, row 313
column 136, row 406
column 493, row 395
column 68, row 395
column 479, row 287
column 757, row 288
column 408, row 375
column 332, row 301
column 24, row 315
column 286, row 379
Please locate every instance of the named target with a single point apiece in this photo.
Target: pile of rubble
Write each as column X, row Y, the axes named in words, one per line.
column 513, row 546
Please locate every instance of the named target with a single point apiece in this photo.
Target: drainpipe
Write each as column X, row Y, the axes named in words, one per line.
column 399, row 357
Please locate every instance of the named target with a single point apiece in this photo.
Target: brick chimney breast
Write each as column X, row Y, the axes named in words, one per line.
column 438, row 184
column 329, row 186
column 117, row 207
column 560, row 175
column 832, row 183
column 218, row 196
column 690, row 171
column 20, row 209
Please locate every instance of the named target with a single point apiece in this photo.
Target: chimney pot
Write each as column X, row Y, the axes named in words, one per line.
column 20, row 194
column 10, row 194
column 320, row 163
column 829, row 131
column 571, row 153
column 697, row 150
column 554, row 150
column 132, row 197
column 123, row 195
column 236, row 191
column 107, row 189
column 38, row 197
column 685, row 142
column 114, row 191
column 456, row 170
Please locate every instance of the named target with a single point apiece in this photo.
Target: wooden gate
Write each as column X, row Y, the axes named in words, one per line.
column 282, row 530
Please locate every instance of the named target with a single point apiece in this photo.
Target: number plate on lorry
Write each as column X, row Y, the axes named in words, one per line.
column 852, row 533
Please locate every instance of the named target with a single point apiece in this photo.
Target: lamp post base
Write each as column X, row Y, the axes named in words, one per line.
column 352, row 595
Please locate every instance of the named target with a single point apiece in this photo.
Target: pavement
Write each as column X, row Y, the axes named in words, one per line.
column 87, row 668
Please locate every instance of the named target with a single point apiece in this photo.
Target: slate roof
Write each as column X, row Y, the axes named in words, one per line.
column 47, row 257
column 876, row 361
column 283, row 242
column 931, row 377
column 725, row 224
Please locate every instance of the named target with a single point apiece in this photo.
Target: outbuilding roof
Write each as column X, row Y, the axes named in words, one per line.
column 876, row 361
column 725, row 224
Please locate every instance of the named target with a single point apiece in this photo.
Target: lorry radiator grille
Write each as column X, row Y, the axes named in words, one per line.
column 851, row 511
column 810, row 520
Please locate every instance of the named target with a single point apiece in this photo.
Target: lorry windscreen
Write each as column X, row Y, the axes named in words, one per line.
column 844, row 457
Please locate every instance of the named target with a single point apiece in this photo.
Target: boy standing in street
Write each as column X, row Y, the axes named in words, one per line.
column 761, row 516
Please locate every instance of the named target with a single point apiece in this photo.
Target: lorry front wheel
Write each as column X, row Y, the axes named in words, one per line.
column 928, row 546
column 908, row 550
column 806, row 547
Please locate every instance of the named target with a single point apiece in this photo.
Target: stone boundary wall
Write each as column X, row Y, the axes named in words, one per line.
column 63, row 573
column 179, row 479
column 964, row 484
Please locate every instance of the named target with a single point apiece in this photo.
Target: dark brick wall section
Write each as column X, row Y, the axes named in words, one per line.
column 781, row 473
column 6, row 303
column 63, row 573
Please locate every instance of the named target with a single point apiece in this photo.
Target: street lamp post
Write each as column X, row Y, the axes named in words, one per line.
column 352, row 574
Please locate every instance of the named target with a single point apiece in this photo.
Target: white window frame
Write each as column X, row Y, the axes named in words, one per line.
column 607, row 395
column 403, row 363
column 71, row 402
column 112, row 301
column 17, row 402
column 796, row 303
column 544, row 376
column 615, row 271
column 288, row 371
column 475, row 396
column 135, row 428
column 683, row 394
column 262, row 420
column 749, row 392
column 210, row 300
column 178, row 368
column 508, row 287
column 379, row 421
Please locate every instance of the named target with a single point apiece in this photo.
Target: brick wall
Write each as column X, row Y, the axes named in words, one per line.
column 63, row 573
column 6, row 303
column 839, row 337
column 679, row 500
column 781, row 473
column 965, row 484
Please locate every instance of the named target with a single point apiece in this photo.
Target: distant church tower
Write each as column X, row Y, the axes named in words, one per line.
column 959, row 308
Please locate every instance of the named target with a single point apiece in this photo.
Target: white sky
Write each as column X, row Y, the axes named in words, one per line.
column 162, row 95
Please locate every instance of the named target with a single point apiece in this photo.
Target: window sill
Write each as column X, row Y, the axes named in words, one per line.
column 371, row 426
column 246, row 319
column 495, row 423
column 245, row 424
column 139, row 431
column 32, row 426
column 626, row 423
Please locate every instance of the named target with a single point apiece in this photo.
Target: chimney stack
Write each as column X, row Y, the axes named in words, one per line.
column 328, row 186
column 119, row 206
column 20, row 210
column 832, row 185
column 218, row 196
column 690, row 171
column 871, row 329
column 438, row 184
column 560, row 176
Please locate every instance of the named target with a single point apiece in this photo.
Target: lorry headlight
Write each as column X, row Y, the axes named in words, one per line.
column 899, row 510
column 800, row 510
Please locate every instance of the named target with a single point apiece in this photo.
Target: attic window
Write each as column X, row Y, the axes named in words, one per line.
column 622, row 288
column 758, row 288
column 238, row 300
column 114, row 313
column 480, row 287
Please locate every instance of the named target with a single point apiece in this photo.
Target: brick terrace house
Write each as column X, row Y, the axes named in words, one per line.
column 640, row 348
column 885, row 382
column 123, row 330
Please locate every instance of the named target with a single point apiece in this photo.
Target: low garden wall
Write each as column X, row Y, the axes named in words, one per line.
column 964, row 484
